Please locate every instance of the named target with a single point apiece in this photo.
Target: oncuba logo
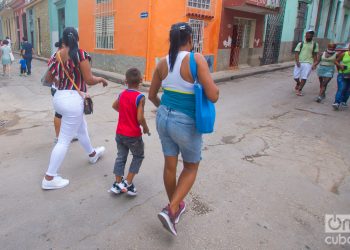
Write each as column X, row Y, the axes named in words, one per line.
column 337, row 225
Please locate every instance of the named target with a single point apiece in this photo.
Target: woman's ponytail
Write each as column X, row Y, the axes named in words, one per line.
column 180, row 34
column 70, row 38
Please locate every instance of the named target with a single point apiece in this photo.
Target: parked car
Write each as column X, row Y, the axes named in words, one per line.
column 342, row 47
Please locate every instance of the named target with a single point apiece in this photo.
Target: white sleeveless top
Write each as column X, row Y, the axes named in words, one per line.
column 174, row 81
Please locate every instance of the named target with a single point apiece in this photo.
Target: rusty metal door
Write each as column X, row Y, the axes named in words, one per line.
column 236, row 44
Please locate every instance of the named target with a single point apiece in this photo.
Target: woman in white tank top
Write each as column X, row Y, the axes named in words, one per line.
column 176, row 118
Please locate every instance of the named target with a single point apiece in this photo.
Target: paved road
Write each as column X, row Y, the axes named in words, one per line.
column 275, row 166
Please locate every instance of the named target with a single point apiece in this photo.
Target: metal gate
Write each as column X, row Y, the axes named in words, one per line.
column 236, row 44
column 274, row 27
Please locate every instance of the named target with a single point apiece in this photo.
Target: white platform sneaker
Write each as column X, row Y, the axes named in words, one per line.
column 56, row 183
column 99, row 152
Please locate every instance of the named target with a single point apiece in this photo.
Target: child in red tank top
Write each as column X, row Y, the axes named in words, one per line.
column 130, row 105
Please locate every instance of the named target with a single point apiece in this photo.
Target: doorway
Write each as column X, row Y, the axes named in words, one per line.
column 39, row 36
column 61, row 21
column 24, row 21
column 243, row 33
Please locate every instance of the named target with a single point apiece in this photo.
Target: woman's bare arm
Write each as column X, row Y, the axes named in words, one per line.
column 338, row 60
column 204, row 77
column 90, row 79
column 156, row 84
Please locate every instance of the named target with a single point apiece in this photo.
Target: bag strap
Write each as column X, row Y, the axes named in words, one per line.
column 193, row 67
column 66, row 73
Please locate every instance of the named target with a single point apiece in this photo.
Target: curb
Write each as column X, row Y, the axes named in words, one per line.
column 120, row 79
column 237, row 75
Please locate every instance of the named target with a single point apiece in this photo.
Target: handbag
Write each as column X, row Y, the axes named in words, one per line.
column 88, row 104
column 43, row 80
column 205, row 109
column 12, row 58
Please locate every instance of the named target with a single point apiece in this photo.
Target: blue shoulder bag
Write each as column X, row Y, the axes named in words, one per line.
column 205, row 109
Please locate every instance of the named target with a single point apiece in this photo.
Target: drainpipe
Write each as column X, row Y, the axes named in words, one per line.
column 148, row 38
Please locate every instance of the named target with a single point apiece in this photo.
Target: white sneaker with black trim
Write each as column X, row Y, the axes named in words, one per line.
column 131, row 189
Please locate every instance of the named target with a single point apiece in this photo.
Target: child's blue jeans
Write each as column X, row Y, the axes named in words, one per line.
column 136, row 147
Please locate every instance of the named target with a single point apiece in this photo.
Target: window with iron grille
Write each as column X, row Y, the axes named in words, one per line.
column 197, row 34
column 200, row 4
column 104, row 32
column 102, row 1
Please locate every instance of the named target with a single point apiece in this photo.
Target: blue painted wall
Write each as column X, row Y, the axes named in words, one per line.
column 290, row 17
column 71, row 17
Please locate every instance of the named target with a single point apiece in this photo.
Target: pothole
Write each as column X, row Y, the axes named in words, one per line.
column 198, row 206
column 8, row 120
column 3, row 123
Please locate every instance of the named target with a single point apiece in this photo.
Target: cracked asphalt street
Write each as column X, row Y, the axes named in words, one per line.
column 276, row 164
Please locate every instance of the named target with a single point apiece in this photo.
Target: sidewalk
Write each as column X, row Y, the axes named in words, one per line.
column 221, row 76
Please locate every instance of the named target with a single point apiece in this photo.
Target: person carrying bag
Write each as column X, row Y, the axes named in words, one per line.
column 70, row 69
column 180, row 120
column 205, row 109
column 88, row 104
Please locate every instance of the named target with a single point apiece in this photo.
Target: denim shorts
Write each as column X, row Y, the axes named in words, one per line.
column 178, row 134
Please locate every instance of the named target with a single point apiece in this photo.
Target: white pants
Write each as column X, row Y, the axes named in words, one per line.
column 303, row 71
column 70, row 105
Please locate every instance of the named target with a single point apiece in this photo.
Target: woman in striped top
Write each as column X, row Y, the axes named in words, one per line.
column 69, row 103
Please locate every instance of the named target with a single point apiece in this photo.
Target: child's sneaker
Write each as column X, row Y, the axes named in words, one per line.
column 123, row 186
column 131, row 189
column 120, row 187
column 115, row 188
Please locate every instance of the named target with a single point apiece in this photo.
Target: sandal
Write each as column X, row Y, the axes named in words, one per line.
column 299, row 93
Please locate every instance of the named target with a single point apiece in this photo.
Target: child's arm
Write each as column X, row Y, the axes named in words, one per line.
column 115, row 105
column 140, row 115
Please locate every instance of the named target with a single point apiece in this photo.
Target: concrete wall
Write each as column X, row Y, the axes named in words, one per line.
column 1, row 34
column 223, row 59
column 31, row 26
column 148, row 38
column 8, row 26
column 117, row 63
column 286, row 52
column 323, row 19
column 345, row 33
column 41, row 11
column 342, row 31
column 338, row 28
column 250, row 56
column 289, row 23
column 226, row 28
column 254, row 56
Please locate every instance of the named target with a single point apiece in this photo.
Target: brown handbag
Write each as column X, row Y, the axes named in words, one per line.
column 88, row 104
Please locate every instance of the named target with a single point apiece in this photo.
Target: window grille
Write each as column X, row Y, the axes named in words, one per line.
column 200, row 4
column 105, row 32
column 197, row 34
column 104, row 24
column 102, row 1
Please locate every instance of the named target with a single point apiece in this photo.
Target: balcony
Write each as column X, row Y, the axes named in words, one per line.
column 262, row 7
column 201, row 8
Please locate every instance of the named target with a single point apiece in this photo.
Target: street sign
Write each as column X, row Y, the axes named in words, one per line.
column 144, row 14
